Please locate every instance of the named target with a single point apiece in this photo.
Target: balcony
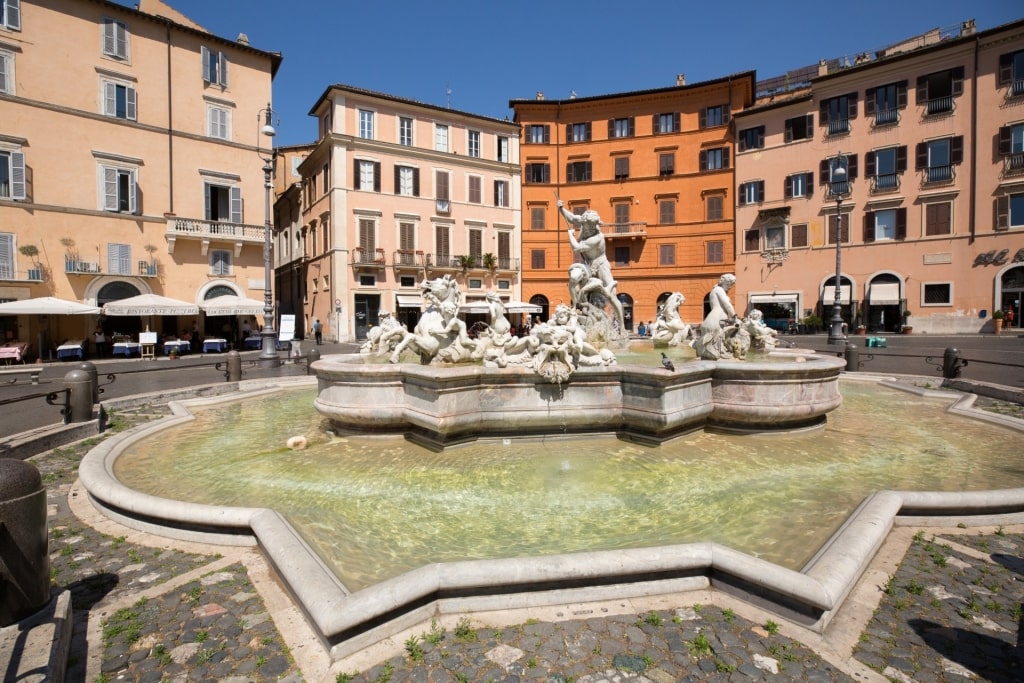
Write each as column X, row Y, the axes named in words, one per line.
column 8, row 273
column 443, row 207
column 444, row 262
column 885, row 182
column 1016, row 89
column 1013, row 164
column 630, row 230
column 239, row 234
column 837, row 190
column 147, row 269
column 938, row 175
column 408, row 260
column 939, row 105
column 367, row 258
column 838, row 127
column 73, row 266
column 886, row 117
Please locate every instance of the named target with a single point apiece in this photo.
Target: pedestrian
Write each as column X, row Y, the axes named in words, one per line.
column 318, row 331
column 1008, row 318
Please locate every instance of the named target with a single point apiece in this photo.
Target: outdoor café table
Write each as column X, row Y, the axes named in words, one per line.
column 218, row 345
column 181, row 345
column 253, row 343
column 13, row 351
column 127, row 349
column 71, row 349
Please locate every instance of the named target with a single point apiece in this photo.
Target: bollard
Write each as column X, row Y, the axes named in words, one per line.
column 952, row 362
column 313, row 357
column 80, row 384
column 24, row 558
column 852, row 358
column 234, row 366
column 88, row 367
column 296, row 351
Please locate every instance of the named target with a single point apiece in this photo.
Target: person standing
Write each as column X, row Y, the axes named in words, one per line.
column 318, row 331
column 1009, row 316
column 100, row 339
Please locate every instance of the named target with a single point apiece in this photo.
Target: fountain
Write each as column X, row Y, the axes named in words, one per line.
column 560, row 381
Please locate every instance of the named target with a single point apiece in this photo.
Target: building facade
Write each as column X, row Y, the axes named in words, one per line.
column 929, row 213
column 129, row 161
column 396, row 191
column 657, row 166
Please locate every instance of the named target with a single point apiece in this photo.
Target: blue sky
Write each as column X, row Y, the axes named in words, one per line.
column 487, row 53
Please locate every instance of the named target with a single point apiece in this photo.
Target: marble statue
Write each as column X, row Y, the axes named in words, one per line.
column 762, row 337
column 440, row 333
column 590, row 245
column 385, row 336
column 668, row 328
column 721, row 335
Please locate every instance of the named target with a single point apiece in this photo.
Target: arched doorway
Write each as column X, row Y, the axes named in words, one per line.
column 1011, row 293
column 627, row 310
column 127, row 325
column 542, row 301
column 883, row 312
column 828, row 300
column 221, row 326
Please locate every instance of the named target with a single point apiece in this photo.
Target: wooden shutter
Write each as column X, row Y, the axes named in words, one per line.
column 611, row 128
column 109, row 38
column 703, row 160
column 222, row 72
column 1002, row 213
column 901, row 158
column 6, row 254
column 869, row 102
column 809, row 126
column 956, row 150
column 443, row 242
column 851, row 167
column 921, row 156
column 355, row 174
column 676, row 123
column 869, row 164
column 901, row 223
column 18, row 175
column 901, row 95
column 823, row 173
column 129, row 98
column 1005, row 140
column 547, row 134
column 441, row 185
column 133, row 193
column 398, row 179
column 109, row 98
column 236, row 205
column 937, row 219
column 726, row 114
column 119, row 257
column 13, row 14
column 869, row 226
column 788, row 135
column 823, row 117
column 957, row 85
column 725, row 157
column 922, row 89
column 703, row 118
column 752, row 240
column 376, row 176
column 808, row 184
column 851, row 106
column 109, row 188
column 631, row 126
column 206, row 63
column 787, row 188
column 416, row 182
column 1006, row 69
column 504, row 246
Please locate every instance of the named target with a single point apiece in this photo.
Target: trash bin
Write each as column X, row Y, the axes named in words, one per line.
column 25, row 566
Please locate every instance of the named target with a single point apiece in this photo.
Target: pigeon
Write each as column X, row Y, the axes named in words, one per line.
column 666, row 363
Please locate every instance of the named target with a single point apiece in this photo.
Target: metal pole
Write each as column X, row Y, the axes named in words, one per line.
column 835, row 330
column 268, row 357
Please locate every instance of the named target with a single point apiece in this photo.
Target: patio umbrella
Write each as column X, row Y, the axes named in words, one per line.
column 46, row 305
column 149, row 304
column 231, row 305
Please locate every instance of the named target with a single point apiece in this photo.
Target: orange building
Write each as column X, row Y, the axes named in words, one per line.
column 657, row 165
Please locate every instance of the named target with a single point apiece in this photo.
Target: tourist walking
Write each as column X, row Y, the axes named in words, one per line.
column 318, row 331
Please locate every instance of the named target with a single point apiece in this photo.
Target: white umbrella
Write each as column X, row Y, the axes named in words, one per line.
column 149, row 304
column 230, row 304
column 46, row 305
column 521, row 307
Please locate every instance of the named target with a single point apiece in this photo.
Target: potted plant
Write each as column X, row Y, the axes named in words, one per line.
column 997, row 321
column 907, row 327
column 811, row 323
column 32, row 251
column 467, row 261
column 859, row 326
column 490, row 262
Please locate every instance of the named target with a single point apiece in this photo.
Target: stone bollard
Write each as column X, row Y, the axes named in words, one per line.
column 234, row 366
column 951, row 363
column 296, row 350
column 852, row 358
column 81, row 402
column 88, row 367
column 311, row 358
column 24, row 557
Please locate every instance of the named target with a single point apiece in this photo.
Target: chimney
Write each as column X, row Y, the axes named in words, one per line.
column 540, row 94
column 242, row 39
column 967, row 28
column 823, row 67
column 680, row 79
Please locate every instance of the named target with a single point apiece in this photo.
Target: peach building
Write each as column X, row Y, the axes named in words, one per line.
column 129, row 163
column 657, row 166
column 396, row 191
column 930, row 132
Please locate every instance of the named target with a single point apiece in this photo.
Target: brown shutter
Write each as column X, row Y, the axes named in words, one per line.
column 725, row 157
column 922, row 89
column 901, row 95
column 703, row 118
column 376, row 176
column 901, row 223
column 869, row 226
column 869, row 165
column 1006, row 69
column 787, row 188
column 1002, row 213
column 416, row 182
column 656, row 123
column 632, row 126
column 760, row 190
column 611, row 128
column 958, row 81
column 851, row 106
column 751, row 240
column 547, row 134
column 809, row 184
column 869, row 102
column 810, row 125
column 703, row 160
column 921, row 157
column 823, row 174
column 397, row 182
column 355, row 174
column 956, row 150
column 823, row 112
column 788, row 135
column 569, row 175
column 726, row 114
column 1005, row 140
column 901, row 158
column 851, row 167
column 568, row 133
column 676, row 125
column 590, row 131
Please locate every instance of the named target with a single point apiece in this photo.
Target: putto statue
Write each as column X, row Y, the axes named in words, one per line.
column 668, row 328
column 762, row 337
column 598, row 288
column 439, row 334
column 386, row 336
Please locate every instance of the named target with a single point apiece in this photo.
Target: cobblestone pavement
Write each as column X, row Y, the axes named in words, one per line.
column 951, row 610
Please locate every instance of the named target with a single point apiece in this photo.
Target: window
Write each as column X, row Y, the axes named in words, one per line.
column 621, row 168
column 115, row 39
column 538, row 134
column 476, row 243
column 215, row 67
column 119, row 259
column 751, row 138
column 832, row 228
column 666, row 211
column 937, row 294
column 443, row 244
column 1011, row 147
column 621, row 256
column 1010, row 211
column 325, row 175
column 621, row 214
column 714, row 159
column 473, row 144
column 666, row 164
column 407, row 181
column 537, row 218
column 936, row 91
column 405, row 131
column 10, row 14
column 7, row 79
column 833, row 182
column 799, row 185
column 890, row 224
column 752, row 192
column 503, row 149
column 621, row 128
column 440, row 137
column 12, row 175
column 714, row 207
column 220, row 262
column 937, row 158
column 666, row 123
column 711, row 117
column 223, row 203
column 837, row 112
column 578, row 132
column 218, row 122
column 8, row 266
column 577, row 171
column 442, row 186
column 537, row 259
column 752, row 240
column 119, row 189
column 367, row 175
column 884, row 102
column 476, row 191
column 1011, row 72
column 366, row 124
column 716, row 252
column 504, row 249
column 666, row 255
column 799, row 128
column 118, row 100
column 501, row 193
column 798, row 236
column 367, row 240
column 884, row 166
column 938, row 218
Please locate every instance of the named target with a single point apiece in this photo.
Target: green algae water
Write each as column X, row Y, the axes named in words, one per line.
column 375, row 507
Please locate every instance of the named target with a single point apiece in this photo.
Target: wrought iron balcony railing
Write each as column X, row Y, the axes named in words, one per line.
column 886, row 117
column 885, row 182
column 367, row 257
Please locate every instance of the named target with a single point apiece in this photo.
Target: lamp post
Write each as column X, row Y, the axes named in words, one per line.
column 268, row 357
column 837, row 182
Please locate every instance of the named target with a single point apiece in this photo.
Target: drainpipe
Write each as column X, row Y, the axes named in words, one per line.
column 972, row 200
column 558, row 171
column 170, row 133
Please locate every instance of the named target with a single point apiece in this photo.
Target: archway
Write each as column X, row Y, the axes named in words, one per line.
column 125, row 326
column 1011, row 293
column 885, row 304
column 627, row 310
column 542, row 301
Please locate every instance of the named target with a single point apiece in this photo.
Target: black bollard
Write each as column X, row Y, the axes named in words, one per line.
column 24, row 559
column 311, row 358
column 852, row 358
column 88, row 367
column 81, row 402
column 234, row 366
column 952, row 362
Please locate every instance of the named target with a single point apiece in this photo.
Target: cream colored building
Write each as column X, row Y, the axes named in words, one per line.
column 396, row 191
column 128, row 162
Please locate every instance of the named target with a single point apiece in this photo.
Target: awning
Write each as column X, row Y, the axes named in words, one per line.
column 773, row 298
column 149, row 304
column 521, row 307
column 232, row 305
column 829, row 296
column 476, row 307
column 884, row 294
column 409, row 301
column 46, row 305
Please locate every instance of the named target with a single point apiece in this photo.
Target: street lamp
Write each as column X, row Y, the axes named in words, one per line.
column 838, row 178
column 268, row 357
